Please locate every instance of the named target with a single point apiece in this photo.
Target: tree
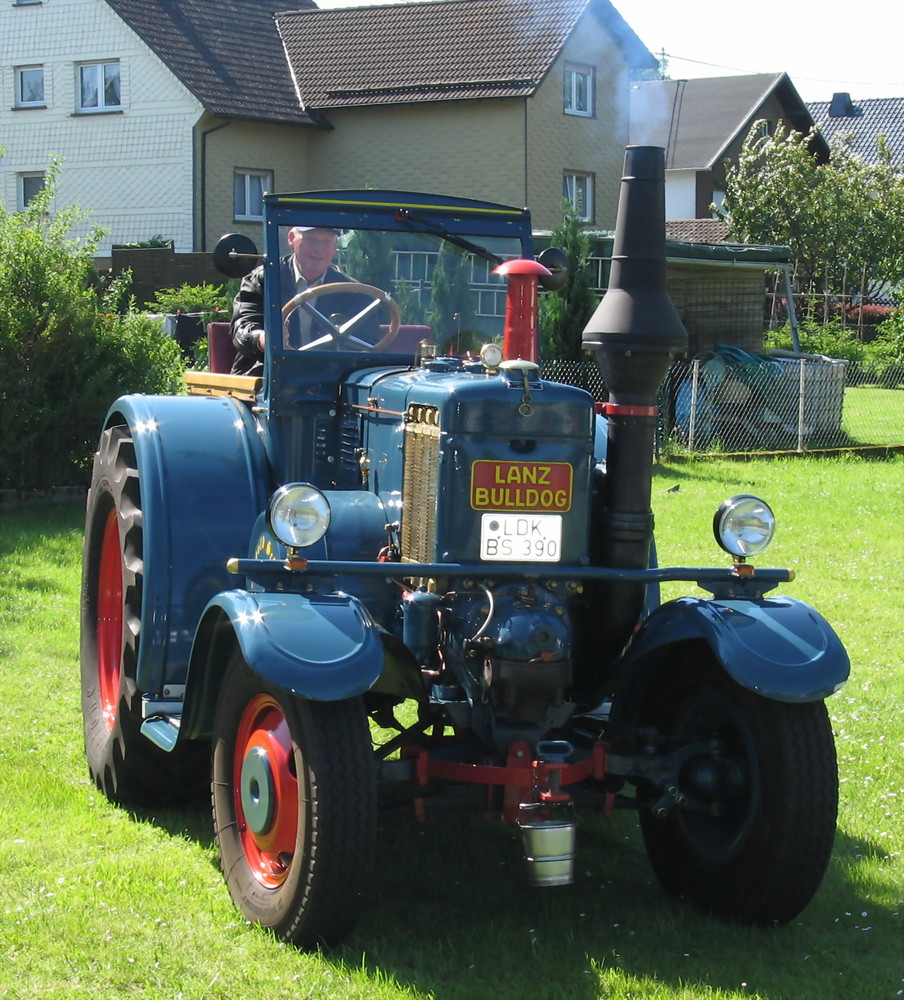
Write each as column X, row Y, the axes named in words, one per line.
column 65, row 356
column 844, row 220
column 451, row 312
column 370, row 258
column 564, row 314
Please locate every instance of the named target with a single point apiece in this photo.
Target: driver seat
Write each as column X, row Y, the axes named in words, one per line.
column 220, row 348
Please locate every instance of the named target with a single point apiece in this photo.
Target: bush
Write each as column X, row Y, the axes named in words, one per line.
column 833, row 339
column 64, row 360
column 191, row 299
column 888, row 350
column 881, row 360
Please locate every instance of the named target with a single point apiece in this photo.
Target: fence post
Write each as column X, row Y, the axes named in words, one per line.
column 801, row 394
column 691, row 429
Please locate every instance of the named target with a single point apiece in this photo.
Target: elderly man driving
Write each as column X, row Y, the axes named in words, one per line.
column 309, row 264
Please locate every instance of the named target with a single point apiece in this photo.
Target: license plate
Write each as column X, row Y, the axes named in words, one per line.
column 521, row 537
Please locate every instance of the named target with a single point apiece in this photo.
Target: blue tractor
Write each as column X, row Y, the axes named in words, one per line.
column 400, row 556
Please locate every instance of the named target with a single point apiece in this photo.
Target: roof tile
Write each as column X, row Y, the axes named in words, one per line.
column 429, row 51
column 871, row 117
column 226, row 52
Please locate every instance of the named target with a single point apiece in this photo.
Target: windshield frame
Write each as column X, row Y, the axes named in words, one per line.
column 464, row 223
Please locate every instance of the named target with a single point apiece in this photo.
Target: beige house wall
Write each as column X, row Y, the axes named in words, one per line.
column 469, row 149
column 222, row 148
column 566, row 142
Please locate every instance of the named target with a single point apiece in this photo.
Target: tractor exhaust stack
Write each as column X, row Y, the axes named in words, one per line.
column 634, row 334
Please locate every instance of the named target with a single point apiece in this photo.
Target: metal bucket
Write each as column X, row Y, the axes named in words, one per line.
column 548, row 833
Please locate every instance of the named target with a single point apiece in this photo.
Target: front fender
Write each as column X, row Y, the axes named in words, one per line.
column 325, row 647
column 777, row 647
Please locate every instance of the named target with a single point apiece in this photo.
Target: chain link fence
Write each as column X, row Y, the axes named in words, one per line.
column 730, row 402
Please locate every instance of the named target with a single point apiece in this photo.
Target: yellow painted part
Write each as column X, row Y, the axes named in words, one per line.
column 244, row 387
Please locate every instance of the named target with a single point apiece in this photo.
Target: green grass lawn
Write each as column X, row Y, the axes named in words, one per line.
column 105, row 903
column 873, row 415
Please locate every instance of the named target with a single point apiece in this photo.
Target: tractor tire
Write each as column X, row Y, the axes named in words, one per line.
column 294, row 799
column 752, row 842
column 124, row 765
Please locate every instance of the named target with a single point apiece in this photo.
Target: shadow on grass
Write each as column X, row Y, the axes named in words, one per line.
column 452, row 917
column 453, row 913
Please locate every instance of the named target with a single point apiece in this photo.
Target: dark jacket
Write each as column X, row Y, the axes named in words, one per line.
column 248, row 313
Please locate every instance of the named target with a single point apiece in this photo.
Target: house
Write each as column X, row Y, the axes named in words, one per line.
column 172, row 117
column 863, row 121
column 133, row 132
column 703, row 123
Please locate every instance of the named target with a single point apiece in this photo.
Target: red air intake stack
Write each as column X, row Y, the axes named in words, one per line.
column 634, row 334
column 520, row 337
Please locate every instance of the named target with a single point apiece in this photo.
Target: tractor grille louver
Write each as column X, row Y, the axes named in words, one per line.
column 349, row 450
column 420, row 484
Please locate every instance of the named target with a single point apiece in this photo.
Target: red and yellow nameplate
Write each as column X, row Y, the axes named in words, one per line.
column 521, row 486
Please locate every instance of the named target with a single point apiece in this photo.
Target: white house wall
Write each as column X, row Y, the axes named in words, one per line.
column 681, row 194
column 131, row 169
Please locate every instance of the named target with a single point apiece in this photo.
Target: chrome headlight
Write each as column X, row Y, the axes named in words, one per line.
column 298, row 514
column 491, row 355
column 744, row 525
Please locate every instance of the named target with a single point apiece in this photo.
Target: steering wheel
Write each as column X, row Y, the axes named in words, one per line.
column 340, row 335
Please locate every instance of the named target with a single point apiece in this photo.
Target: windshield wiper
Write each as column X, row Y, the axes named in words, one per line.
column 406, row 215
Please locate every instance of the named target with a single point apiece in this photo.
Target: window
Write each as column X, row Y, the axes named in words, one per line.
column 577, row 189
column 30, row 86
column 30, row 185
column 249, row 189
column 99, row 87
column 579, row 90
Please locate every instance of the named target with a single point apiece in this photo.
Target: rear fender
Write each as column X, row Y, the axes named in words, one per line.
column 776, row 647
column 324, row 647
column 203, row 480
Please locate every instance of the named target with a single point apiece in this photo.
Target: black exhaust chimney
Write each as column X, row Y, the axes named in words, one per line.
column 634, row 334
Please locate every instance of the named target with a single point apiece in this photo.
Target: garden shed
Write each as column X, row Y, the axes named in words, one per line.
column 725, row 393
column 718, row 289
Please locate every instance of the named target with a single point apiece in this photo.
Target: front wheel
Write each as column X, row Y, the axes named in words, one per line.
column 757, row 795
column 294, row 807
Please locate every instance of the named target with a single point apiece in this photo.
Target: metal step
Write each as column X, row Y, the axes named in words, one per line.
column 162, row 730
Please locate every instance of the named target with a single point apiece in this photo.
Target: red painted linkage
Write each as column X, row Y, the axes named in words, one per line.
column 524, row 777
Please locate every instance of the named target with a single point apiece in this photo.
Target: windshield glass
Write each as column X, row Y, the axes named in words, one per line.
column 446, row 294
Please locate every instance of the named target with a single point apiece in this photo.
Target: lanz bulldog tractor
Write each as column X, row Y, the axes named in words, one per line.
column 405, row 528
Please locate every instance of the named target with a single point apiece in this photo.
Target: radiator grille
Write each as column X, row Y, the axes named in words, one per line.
column 420, row 484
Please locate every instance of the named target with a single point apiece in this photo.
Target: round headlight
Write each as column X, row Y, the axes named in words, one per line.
column 491, row 355
column 298, row 515
column 744, row 525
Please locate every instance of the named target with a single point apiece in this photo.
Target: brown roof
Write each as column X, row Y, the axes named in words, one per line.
column 432, row 51
column 226, row 52
column 696, row 230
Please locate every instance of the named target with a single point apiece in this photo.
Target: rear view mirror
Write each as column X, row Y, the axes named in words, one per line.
column 556, row 262
column 235, row 255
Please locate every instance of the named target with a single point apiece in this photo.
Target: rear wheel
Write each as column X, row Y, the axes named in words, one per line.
column 751, row 834
column 294, row 807
column 124, row 765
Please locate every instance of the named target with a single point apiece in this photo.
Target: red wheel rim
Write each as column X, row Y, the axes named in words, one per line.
column 109, row 621
column 265, row 790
